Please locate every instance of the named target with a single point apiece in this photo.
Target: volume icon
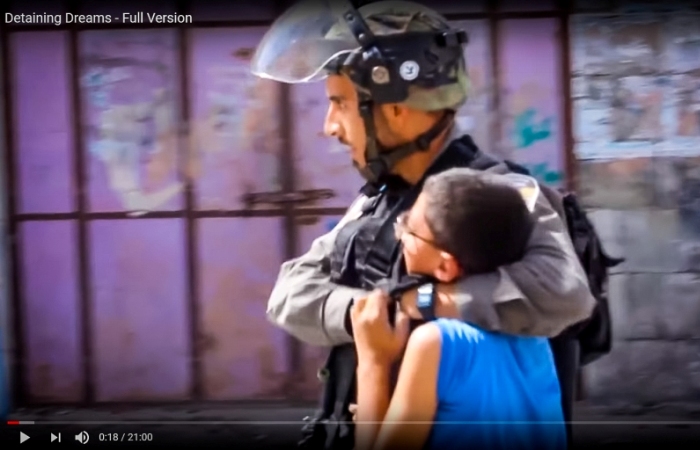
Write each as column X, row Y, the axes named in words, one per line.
column 82, row 437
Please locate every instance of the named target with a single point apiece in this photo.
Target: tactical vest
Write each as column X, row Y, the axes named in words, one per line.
column 365, row 251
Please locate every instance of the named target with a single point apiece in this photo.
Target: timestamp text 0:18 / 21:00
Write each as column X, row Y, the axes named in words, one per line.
column 125, row 437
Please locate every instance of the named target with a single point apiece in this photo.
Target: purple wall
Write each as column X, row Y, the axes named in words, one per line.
column 43, row 127
column 50, row 310
column 137, row 157
column 477, row 116
column 532, row 102
column 234, row 142
column 243, row 355
column 141, row 333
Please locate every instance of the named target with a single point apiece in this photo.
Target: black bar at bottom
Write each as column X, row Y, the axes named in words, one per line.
column 270, row 435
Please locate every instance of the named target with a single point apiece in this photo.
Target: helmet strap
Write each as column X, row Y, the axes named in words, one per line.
column 379, row 160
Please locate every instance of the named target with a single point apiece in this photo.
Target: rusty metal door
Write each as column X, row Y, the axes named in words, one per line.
column 155, row 189
column 152, row 211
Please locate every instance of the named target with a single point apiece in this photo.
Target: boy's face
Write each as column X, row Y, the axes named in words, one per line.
column 422, row 255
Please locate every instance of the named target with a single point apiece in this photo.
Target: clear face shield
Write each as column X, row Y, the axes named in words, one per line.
column 302, row 42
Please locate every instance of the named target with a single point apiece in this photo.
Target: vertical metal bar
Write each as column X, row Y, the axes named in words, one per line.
column 20, row 393
column 82, row 207
column 286, row 168
column 494, row 25
column 570, row 161
column 287, row 177
column 571, row 165
column 197, row 381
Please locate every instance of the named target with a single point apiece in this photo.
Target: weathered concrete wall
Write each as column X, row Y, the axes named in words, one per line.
column 647, row 210
column 637, row 128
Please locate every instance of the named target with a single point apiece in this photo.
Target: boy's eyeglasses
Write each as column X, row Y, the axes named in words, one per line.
column 401, row 227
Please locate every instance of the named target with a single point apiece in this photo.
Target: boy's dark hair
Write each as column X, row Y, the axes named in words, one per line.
column 478, row 217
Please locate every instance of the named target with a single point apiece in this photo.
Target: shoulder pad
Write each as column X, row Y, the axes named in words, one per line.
column 355, row 210
column 528, row 187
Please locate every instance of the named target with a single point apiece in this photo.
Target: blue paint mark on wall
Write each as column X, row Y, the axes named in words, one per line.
column 528, row 131
column 544, row 173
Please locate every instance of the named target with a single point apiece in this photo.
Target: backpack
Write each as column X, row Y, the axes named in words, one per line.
column 595, row 333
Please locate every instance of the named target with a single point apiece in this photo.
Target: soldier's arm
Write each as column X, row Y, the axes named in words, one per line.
column 305, row 303
column 541, row 295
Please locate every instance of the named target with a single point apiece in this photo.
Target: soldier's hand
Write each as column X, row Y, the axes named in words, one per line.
column 376, row 341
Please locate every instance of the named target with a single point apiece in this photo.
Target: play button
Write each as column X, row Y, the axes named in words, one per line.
column 22, row 437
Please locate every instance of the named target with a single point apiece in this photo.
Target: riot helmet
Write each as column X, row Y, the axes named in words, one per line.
column 392, row 51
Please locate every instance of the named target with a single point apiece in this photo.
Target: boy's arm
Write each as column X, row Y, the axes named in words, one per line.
column 406, row 421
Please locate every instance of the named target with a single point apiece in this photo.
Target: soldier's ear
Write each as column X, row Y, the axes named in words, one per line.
column 399, row 110
column 395, row 114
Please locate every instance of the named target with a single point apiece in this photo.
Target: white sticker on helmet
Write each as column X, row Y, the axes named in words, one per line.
column 409, row 70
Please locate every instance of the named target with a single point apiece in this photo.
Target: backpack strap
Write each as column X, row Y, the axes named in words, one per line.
column 478, row 160
column 595, row 333
column 331, row 427
column 474, row 158
column 344, row 367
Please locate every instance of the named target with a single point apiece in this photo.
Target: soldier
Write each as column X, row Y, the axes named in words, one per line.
column 395, row 76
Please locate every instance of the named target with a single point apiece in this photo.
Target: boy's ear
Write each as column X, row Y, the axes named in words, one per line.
column 448, row 270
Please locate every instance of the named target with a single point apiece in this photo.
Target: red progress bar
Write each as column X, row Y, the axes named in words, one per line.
column 13, row 422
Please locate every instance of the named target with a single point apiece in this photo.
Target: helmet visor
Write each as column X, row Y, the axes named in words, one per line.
column 302, row 42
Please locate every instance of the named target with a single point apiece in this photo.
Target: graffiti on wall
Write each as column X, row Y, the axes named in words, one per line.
column 531, row 129
column 530, row 116
column 636, row 86
column 129, row 91
column 683, row 47
column 146, row 151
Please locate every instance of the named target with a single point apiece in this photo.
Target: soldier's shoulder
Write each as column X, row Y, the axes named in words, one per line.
column 528, row 187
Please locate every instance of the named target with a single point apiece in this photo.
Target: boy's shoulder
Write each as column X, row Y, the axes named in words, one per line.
column 458, row 331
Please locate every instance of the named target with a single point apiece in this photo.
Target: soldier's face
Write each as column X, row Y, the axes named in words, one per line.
column 344, row 122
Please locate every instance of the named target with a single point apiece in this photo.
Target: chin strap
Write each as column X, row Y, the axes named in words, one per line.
column 380, row 160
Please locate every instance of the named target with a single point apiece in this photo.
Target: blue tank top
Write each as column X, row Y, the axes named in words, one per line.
column 496, row 391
